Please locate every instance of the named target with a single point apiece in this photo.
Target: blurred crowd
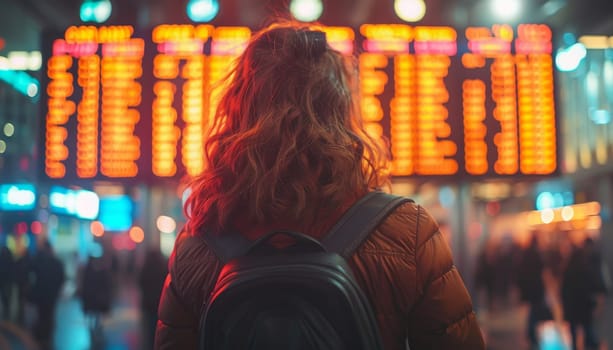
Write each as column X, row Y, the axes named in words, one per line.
column 561, row 280
column 32, row 284
column 557, row 277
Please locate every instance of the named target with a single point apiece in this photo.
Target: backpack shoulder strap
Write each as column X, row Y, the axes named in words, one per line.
column 361, row 219
column 227, row 245
column 346, row 235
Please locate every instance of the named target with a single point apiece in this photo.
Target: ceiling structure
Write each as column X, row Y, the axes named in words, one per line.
column 584, row 15
column 23, row 21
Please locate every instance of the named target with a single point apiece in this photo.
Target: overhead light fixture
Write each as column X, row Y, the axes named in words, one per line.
column 506, row 9
column 96, row 10
column 410, row 10
column 306, row 10
column 568, row 59
column 202, row 10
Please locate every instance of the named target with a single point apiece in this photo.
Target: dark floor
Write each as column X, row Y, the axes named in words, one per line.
column 121, row 330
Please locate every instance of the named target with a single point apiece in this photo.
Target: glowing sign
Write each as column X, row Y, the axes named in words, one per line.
column 537, row 131
column 59, row 89
column 476, row 102
column 184, row 45
column 496, row 44
column 17, row 196
column 116, row 213
column 80, row 203
column 523, row 104
column 119, row 147
column 108, row 92
column 418, row 129
column 21, row 60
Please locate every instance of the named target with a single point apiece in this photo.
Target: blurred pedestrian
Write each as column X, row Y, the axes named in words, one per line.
column 505, row 257
column 7, row 268
column 48, row 279
column 485, row 274
column 14, row 337
column 530, row 282
column 96, row 294
column 151, row 281
column 23, row 282
column 583, row 290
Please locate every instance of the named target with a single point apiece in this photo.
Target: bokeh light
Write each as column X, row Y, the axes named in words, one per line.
column 506, row 9
column 36, row 227
column 567, row 213
column 306, row 10
column 96, row 10
column 137, row 234
column 410, row 10
column 568, row 59
column 97, row 228
column 202, row 10
column 9, row 129
column 32, row 90
column 547, row 216
column 166, row 224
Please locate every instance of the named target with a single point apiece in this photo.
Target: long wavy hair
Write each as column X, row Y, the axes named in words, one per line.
column 286, row 142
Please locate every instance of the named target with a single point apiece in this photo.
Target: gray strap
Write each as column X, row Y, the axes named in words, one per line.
column 361, row 219
column 346, row 235
column 227, row 245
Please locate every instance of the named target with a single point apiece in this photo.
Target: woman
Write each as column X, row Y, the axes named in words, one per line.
column 287, row 150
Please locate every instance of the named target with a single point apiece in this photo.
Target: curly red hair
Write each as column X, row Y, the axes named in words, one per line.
column 287, row 142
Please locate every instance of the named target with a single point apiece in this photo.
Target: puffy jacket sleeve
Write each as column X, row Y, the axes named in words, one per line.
column 442, row 317
column 192, row 270
column 177, row 324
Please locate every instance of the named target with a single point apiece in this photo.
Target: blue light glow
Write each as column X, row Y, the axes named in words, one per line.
column 80, row 203
column 551, row 200
column 446, row 196
column 20, row 81
column 202, row 10
column 17, row 197
column 567, row 60
column 96, row 10
column 116, row 213
column 600, row 116
column 544, row 200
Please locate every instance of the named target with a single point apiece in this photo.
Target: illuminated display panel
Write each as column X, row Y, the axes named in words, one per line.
column 520, row 117
column 176, row 45
column 537, row 118
column 477, row 101
column 107, row 61
column 121, row 65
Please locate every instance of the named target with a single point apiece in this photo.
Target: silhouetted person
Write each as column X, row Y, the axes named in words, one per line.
column 532, row 289
column 504, row 264
column 7, row 267
column 23, row 269
column 581, row 285
column 485, row 274
column 151, row 281
column 48, row 278
column 96, row 292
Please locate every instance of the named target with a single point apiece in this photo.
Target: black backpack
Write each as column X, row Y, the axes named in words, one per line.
column 301, row 297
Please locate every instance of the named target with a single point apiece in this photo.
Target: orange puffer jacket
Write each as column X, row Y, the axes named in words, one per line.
column 405, row 268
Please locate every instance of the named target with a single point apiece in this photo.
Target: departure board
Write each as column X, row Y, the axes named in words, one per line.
column 473, row 102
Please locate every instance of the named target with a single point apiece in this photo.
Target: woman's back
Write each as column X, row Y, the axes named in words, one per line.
column 287, row 150
column 404, row 267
